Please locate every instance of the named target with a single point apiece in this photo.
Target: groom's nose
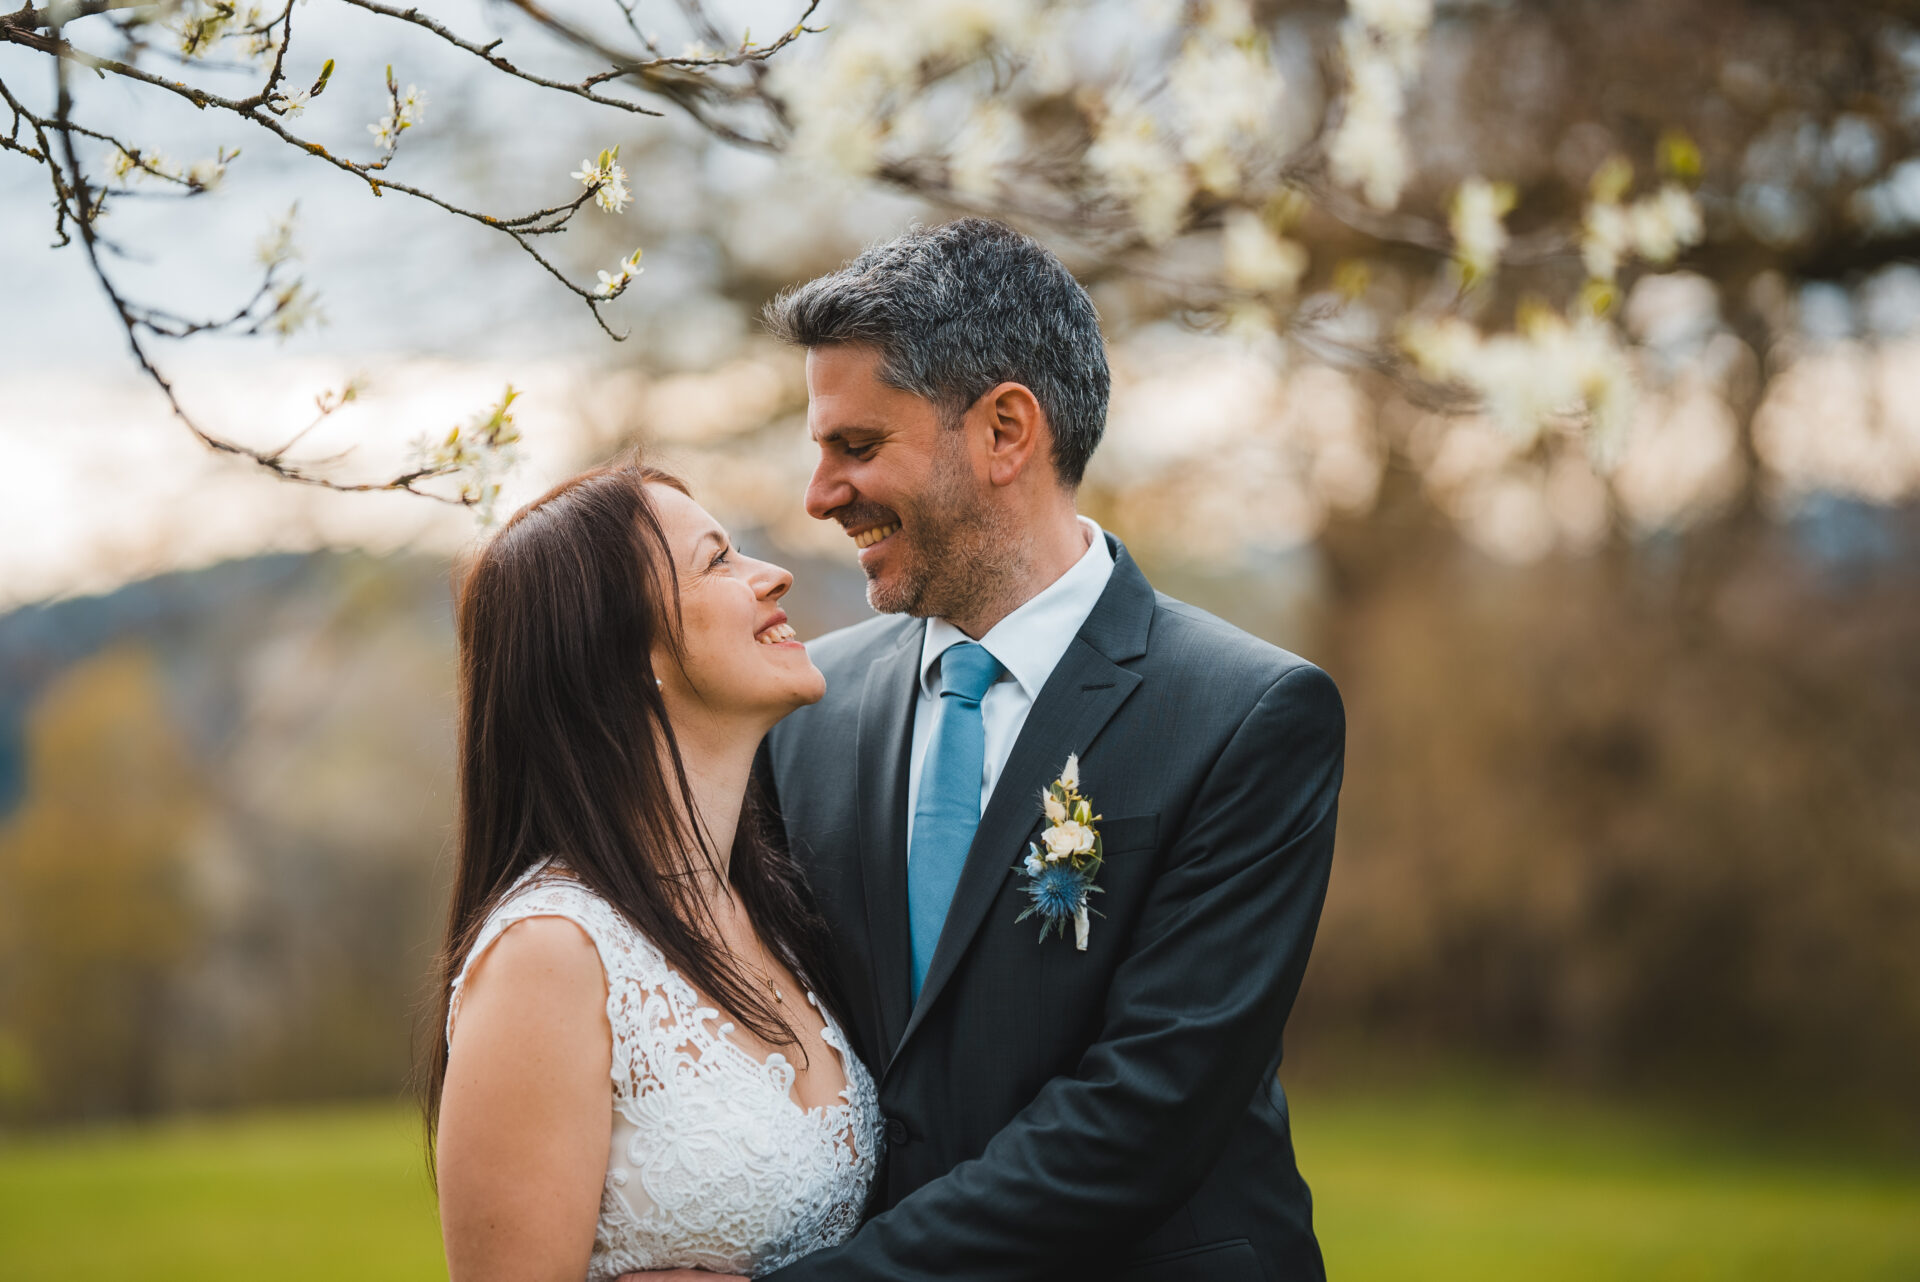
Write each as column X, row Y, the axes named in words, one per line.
column 827, row 490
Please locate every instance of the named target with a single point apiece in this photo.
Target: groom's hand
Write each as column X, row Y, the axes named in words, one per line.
column 679, row 1275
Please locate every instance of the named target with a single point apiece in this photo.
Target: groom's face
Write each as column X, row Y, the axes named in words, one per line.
column 904, row 485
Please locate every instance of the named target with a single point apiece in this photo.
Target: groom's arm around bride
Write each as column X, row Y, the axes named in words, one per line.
column 1051, row 1111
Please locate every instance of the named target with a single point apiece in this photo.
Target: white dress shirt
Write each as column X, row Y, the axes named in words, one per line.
column 1029, row 644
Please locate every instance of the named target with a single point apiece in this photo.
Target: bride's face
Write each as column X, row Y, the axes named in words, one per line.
column 740, row 657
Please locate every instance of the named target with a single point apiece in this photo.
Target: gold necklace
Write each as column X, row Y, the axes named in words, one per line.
column 772, row 987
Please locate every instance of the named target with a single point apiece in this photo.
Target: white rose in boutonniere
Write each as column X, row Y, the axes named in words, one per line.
column 1069, row 837
column 1060, row 867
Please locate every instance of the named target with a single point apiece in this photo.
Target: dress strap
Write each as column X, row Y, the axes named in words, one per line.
column 543, row 892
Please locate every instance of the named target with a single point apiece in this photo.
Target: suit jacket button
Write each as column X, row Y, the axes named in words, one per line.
column 896, row 1132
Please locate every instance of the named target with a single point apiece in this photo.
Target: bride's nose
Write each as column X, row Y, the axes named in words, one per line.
column 773, row 581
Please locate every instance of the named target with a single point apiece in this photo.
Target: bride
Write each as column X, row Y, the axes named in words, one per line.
column 641, row 1067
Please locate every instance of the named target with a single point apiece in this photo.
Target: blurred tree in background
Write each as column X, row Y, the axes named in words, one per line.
column 99, row 926
column 1589, row 830
column 221, row 886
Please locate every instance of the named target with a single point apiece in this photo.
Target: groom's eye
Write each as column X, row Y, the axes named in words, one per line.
column 860, row 453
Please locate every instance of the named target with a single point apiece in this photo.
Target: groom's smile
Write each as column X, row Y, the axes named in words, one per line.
column 864, row 539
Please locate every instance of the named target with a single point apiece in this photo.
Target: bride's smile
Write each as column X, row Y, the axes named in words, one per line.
column 739, row 659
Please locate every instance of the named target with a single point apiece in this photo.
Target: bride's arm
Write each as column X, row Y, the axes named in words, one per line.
column 527, row 1113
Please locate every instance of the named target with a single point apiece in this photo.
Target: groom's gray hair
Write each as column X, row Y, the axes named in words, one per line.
column 955, row 310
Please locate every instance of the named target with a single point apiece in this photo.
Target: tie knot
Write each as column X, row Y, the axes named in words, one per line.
column 966, row 670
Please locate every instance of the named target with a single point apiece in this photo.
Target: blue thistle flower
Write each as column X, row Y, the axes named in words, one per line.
column 1058, row 891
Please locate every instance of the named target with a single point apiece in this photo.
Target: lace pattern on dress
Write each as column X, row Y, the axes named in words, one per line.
column 714, row 1165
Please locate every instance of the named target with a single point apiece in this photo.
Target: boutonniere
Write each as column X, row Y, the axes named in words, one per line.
column 1061, row 866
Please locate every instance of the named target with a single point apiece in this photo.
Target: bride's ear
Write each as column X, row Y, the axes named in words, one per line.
column 1018, row 427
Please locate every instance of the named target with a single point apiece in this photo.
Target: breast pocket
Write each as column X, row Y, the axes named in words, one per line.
column 1132, row 833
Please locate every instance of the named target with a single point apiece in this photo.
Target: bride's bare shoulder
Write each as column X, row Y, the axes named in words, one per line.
column 538, row 963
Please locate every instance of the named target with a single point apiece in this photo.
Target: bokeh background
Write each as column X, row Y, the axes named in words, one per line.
column 1618, row 975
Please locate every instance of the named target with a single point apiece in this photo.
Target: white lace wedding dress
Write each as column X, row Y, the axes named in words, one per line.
column 714, row 1165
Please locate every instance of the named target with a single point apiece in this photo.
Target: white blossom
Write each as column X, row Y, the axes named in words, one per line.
column 259, row 38
column 413, row 106
column 1258, row 260
column 408, row 111
column 1605, row 238
column 1226, row 94
column 1400, row 22
column 479, row 453
column 142, row 165
column 990, row 140
column 606, row 179
column 961, row 28
column 844, row 102
column 1227, row 20
column 1655, row 227
column 613, row 195
column 1479, row 232
column 294, row 308
column 1665, row 223
column 277, row 245
column 1382, row 41
column 206, row 174
column 1135, row 161
column 1550, row 368
column 613, row 282
column 202, row 26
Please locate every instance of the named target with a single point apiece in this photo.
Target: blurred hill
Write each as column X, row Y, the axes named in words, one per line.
column 264, row 748
column 1646, row 820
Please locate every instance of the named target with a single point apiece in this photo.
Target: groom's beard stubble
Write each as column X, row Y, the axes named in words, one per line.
column 959, row 555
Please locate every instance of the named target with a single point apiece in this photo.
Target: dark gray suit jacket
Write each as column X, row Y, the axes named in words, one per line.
column 1057, row 1114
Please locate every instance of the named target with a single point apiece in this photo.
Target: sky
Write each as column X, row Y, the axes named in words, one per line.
column 435, row 313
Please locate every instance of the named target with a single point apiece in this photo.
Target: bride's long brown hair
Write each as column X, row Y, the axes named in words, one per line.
column 566, row 752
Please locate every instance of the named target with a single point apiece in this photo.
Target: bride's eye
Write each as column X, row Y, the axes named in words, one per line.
column 719, row 559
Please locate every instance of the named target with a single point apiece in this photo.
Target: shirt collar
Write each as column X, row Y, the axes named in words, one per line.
column 1030, row 641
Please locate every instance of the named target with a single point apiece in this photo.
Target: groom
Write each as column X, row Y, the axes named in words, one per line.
column 1051, row 1111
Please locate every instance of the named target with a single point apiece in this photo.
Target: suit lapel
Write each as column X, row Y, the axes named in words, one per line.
column 885, row 745
column 1086, row 689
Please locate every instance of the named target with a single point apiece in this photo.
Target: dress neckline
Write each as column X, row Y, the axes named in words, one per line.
column 721, row 1024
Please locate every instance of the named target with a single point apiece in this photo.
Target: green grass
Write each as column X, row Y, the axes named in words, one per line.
column 1467, row 1184
column 334, row 1194
column 1436, row 1185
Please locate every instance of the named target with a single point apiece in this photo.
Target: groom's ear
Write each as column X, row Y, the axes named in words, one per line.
column 1018, row 435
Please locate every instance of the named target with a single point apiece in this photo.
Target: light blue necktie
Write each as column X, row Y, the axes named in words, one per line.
column 948, row 808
